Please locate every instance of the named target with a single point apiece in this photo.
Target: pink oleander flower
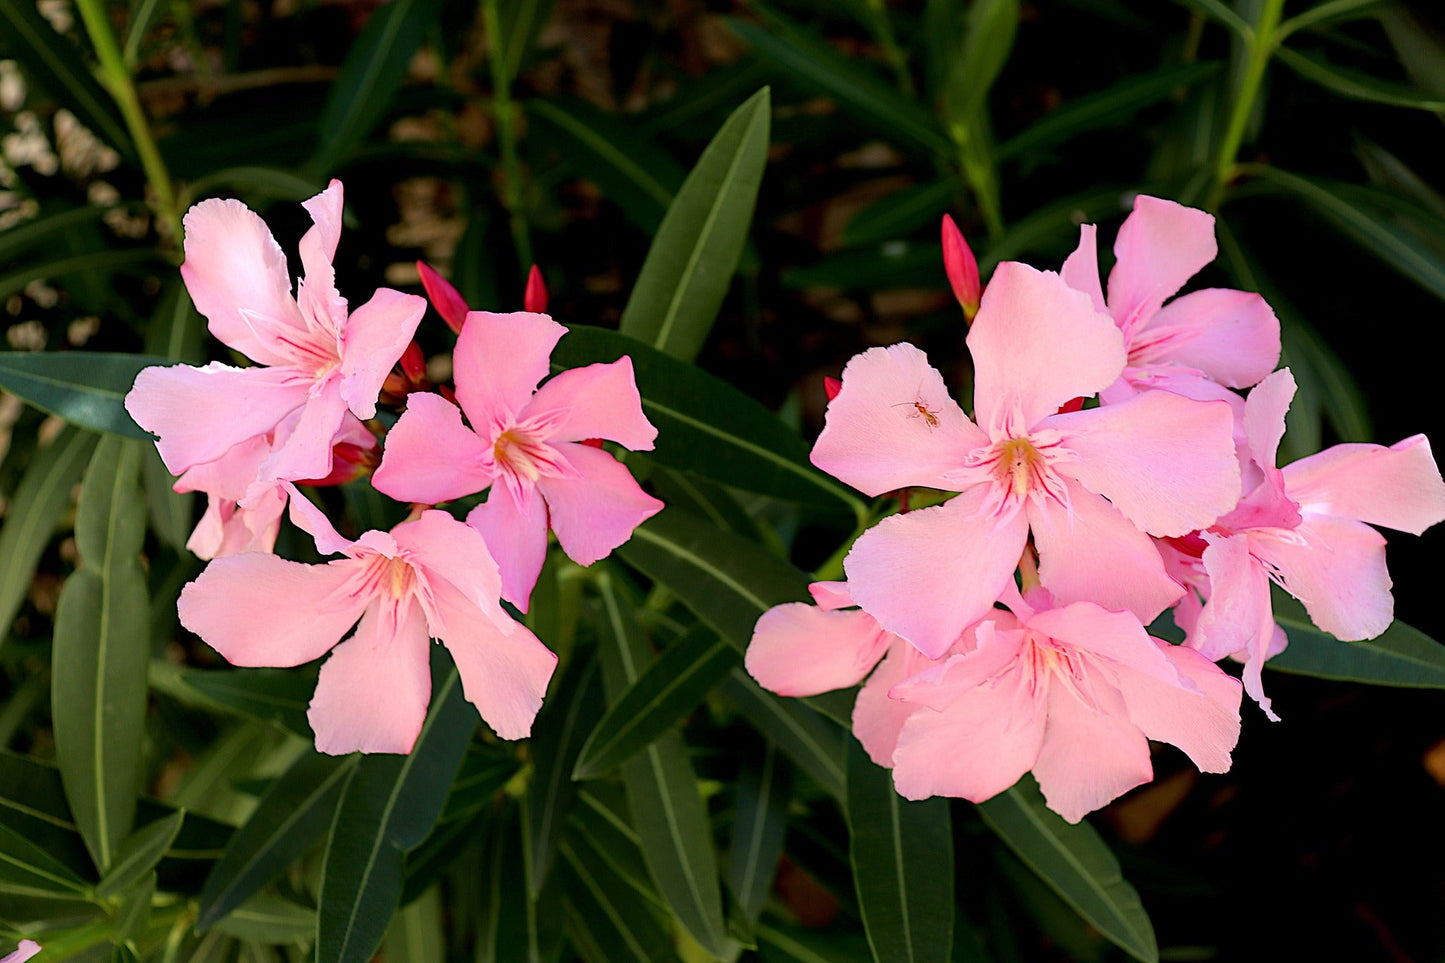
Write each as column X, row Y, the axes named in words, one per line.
column 243, row 515
column 528, row 439
column 799, row 649
column 1197, row 344
column 427, row 578
column 315, row 361
column 24, row 951
column 1088, row 484
column 1072, row 693
column 1305, row 527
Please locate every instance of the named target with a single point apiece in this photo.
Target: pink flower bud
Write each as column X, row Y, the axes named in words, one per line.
column 961, row 267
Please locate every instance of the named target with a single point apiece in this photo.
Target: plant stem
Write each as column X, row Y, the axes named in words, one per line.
column 117, row 80
column 505, row 113
column 1260, row 45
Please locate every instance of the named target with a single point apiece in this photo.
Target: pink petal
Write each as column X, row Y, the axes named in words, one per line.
column 801, row 650
column 1336, row 567
column 516, row 535
column 375, row 336
column 1398, row 487
column 988, row 649
column 598, row 401
column 499, row 360
column 313, row 521
column 260, row 610
column 594, row 508
column 976, row 748
column 1264, row 412
column 236, row 274
column 1159, row 246
column 893, row 424
column 325, row 209
column 1094, row 555
column 1231, row 336
column 227, row 529
column 877, row 718
column 1116, row 636
column 1081, row 268
column 831, row 595
column 201, row 413
column 430, row 456
column 306, row 451
column 928, row 575
column 442, row 548
column 23, row 951
column 372, row 693
column 1203, row 723
column 231, row 475
column 1036, row 344
column 504, row 669
column 1238, row 617
column 317, row 294
column 1167, row 463
column 1090, row 755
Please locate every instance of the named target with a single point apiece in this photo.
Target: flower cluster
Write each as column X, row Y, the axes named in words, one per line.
column 304, row 413
column 1110, row 471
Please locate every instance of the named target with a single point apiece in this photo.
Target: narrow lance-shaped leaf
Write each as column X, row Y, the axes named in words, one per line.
column 692, row 258
column 30, row 518
column 1402, row 656
column 390, row 803
column 667, row 809
column 669, row 689
column 707, row 426
column 102, row 642
column 27, row 869
column 1075, row 862
column 139, row 855
column 902, row 856
column 292, row 816
column 606, row 919
column 814, row 742
column 373, row 69
column 764, row 791
column 557, row 737
column 86, row 388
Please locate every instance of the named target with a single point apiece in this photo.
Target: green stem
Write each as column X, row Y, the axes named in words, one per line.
column 505, row 112
column 1260, row 45
column 117, row 80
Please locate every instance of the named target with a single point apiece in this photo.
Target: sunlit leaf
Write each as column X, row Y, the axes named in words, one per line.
column 692, row 258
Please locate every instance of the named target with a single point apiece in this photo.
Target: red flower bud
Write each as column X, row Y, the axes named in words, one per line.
column 961, row 267
column 445, row 298
column 535, row 298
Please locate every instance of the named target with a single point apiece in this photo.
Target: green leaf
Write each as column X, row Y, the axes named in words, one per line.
column 707, row 426
column 278, row 696
column 1402, row 656
column 1216, row 10
column 1075, row 862
column 522, row 21
column 53, row 62
column 30, row 518
column 135, row 908
column 764, row 792
column 697, row 247
column 601, row 819
column 820, row 67
column 902, row 856
column 780, row 943
column 33, row 806
column 373, row 69
column 809, row 739
column 388, row 806
column 293, row 815
column 557, row 736
column 1106, row 107
column 86, row 388
column 607, row 920
column 633, row 171
column 726, row 579
column 90, row 265
column 102, row 642
column 669, row 689
column 268, row 918
column 20, row 240
column 1348, row 208
column 1355, row 84
column 139, row 855
column 26, row 869
column 988, row 39
column 667, row 809
column 416, row 934
column 899, row 213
